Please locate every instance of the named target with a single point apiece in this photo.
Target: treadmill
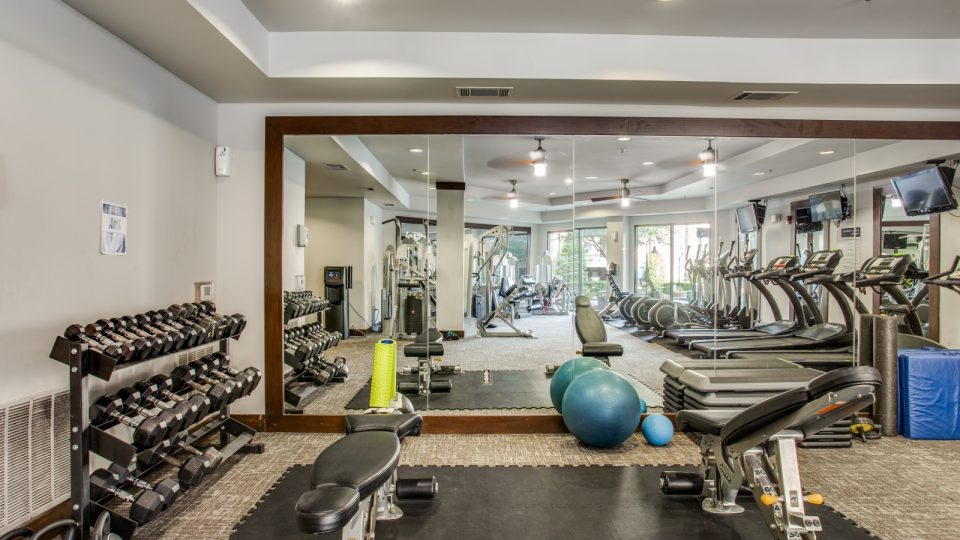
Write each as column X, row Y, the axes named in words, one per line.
column 780, row 271
column 876, row 271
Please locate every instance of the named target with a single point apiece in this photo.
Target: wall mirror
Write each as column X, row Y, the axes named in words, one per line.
column 471, row 247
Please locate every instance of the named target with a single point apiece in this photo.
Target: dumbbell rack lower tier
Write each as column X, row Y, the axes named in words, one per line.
column 235, row 437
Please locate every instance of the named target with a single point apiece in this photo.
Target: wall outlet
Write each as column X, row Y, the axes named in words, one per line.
column 299, row 283
column 203, row 290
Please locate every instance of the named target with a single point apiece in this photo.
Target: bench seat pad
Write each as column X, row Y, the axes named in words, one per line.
column 399, row 424
column 363, row 461
column 710, row 422
column 423, row 350
column 602, row 350
column 327, row 509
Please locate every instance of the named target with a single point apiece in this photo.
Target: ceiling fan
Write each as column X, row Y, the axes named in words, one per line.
column 624, row 195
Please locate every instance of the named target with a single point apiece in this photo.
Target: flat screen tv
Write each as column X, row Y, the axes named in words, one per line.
column 826, row 206
column 747, row 218
column 927, row 191
column 894, row 240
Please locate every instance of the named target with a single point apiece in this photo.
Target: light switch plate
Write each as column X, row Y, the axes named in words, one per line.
column 203, row 290
column 299, row 282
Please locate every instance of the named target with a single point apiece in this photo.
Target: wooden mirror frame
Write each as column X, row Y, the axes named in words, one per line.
column 277, row 127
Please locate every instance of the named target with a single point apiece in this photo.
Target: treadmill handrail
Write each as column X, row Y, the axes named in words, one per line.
column 811, row 273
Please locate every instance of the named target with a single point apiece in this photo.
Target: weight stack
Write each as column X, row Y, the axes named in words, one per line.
column 413, row 315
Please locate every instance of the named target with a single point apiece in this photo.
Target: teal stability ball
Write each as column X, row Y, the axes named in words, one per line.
column 643, row 406
column 601, row 408
column 657, row 429
column 566, row 373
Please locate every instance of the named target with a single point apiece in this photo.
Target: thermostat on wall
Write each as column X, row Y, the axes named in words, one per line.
column 203, row 290
column 303, row 236
column 223, row 162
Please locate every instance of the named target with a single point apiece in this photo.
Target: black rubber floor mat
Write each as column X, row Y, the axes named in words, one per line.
column 479, row 503
column 508, row 389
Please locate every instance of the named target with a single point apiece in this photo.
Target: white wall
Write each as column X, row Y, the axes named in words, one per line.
column 294, row 207
column 372, row 261
column 450, row 251
column 337, row 241
column 87, row 118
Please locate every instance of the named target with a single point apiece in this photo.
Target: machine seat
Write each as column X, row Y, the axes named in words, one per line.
column 603, row 350
column 423, row 350
column 362, row 461
column 431, row 335
column 704, row 421
column 400, row 425
column 842, row 378
column 327, row 509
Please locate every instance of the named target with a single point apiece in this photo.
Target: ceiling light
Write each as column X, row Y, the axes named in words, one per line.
column 624, row 194
column 896, row 202
column 760, row 173
column 431, row 187
column 623, row 138
column 568, row 181
column 553, row 193
column 827, row 152
column 425, row 173
column 416, row 150
column 513, row 196
column 591, row 178
column 709, row 159
column 539, row 157
column 469, row 200
column 648, row 163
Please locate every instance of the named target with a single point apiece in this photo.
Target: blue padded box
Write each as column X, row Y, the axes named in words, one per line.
column 929, row 393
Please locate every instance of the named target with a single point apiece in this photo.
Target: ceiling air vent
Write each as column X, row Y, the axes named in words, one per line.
column 762, row 95
column 485, row 91
column 336, row 167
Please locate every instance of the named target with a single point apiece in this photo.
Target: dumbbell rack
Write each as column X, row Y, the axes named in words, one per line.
column 85, row 438
column 297, row 398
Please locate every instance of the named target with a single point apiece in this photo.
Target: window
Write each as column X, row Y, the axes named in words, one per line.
column 518, row 245
column 580, row 260
column 663, row 254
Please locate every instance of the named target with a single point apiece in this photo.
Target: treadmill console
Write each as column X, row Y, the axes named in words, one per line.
column 823, row 259
column 782, row 263
column 887, row 265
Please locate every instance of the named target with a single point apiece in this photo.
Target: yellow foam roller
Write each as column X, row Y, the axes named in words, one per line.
column 383, row 383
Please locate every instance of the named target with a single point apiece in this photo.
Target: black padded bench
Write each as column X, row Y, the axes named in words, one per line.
column 593, row 333
column 425, row 348
column 354, row 479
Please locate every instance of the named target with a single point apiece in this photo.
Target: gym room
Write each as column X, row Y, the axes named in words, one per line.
column 343, row 269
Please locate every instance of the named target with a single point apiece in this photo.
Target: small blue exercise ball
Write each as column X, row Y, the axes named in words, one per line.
column 566, row 373
column 601, row 408
column 643, row 406
column 657, row 429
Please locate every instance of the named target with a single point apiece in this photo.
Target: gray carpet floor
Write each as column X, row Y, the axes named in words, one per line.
column 556, row 342
column 895, row 488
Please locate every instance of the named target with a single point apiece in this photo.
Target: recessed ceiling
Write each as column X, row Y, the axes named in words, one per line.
column 842, row 19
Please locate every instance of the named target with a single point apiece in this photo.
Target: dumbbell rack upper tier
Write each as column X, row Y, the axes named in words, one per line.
column 86, row 438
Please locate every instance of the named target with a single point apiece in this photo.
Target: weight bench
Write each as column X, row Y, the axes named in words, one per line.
column 755, row 449
column 424, row 350
column 354, row 480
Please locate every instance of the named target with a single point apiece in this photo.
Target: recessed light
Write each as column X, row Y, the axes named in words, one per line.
column 469, row 200
column 431, row 187
column 425, row 173
column 648, row 163
column 760, row 173
column 623, row 138
column 416, row 150
column 553, row 193
column 568, row 181
column 827, row 152
column 591, row 178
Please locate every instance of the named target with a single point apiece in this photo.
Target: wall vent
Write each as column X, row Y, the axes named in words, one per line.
column 195, row 354
column 34, row 457
column 484, row 91
column 336, row 167
column 762, row 95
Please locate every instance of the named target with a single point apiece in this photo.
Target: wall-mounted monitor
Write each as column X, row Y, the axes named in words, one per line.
column 750, row 217
column 827, row 206
column 894, row 240
column 927, row 191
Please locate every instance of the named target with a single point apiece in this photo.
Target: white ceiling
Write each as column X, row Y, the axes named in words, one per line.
column 487, row 163
column 211, row 55
column 885, row 19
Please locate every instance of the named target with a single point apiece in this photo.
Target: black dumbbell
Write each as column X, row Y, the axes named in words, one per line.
column 190, row 312
column 210, row 455
column 179, row 314
column 190, row 471
column 202, row 370
column 151, row 345
column 144, row 506
column 190, row 336
column 131, row 402
column 95, row 331
column 149, row 324
column 235, row 323
column 74, row 332
column 164, row 386
column 168, row 318
column 127, row 327
column 244, row 379
column 189, row 411
column 222, row 363
column 146, row 432
column 103, row 327
column 185, row 376
column 165, row 338
column 168, row 488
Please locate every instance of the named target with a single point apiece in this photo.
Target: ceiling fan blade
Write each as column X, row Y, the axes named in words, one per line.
column 601, row 199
